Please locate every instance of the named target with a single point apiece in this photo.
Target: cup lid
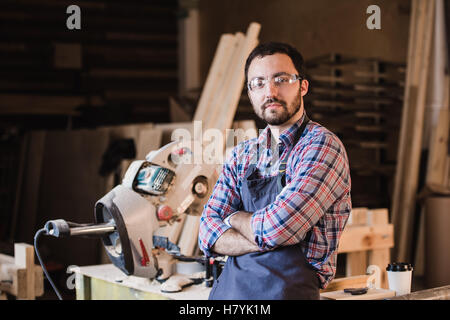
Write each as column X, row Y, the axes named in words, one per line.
column 399, row 266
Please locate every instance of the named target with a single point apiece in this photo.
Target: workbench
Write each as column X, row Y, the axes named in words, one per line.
column 107, row 282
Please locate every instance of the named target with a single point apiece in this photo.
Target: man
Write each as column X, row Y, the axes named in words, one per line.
column 282, row 200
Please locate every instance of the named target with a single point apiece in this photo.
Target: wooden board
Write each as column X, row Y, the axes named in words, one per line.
column 406, row 179
column 372, row 294
column 238, row 77
column 189, row 235
column 27, row 278
column 356, row 263
column 380, row 258
column 24, row 259
column 215, row 76
column 359, row 281
column 362, row 238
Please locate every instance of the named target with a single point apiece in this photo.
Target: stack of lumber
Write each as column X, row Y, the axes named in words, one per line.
column 360, row 100
column 366, row 240
column 19, row 276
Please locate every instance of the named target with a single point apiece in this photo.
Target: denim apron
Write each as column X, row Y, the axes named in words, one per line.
column 280, row 274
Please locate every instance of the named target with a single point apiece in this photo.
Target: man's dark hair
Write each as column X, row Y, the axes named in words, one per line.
column 270, row 48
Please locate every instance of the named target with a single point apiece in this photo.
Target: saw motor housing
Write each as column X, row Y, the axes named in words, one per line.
column 154, row 192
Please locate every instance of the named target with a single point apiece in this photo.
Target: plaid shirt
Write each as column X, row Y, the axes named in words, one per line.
column 311, row 210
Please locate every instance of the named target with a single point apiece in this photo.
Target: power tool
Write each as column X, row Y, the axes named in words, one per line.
column 174, row 180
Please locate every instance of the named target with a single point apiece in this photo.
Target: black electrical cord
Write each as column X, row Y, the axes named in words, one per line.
column 36, row 237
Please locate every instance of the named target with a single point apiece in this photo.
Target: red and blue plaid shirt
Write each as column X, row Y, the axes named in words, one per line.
column 312, row 209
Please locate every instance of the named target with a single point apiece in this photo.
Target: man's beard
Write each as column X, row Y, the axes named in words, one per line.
column 279, row 116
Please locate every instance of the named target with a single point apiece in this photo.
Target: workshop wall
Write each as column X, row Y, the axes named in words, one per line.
column 315, row 27
column 120, row 66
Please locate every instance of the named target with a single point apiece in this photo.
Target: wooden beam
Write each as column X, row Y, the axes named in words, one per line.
column 24, row 258
column 359, row 281
column 189, row 235
column 238, row 77
column 358, row 216
column 356, row 263
column 216, row 74
column 413, row 138
column 26, row 278
column 218, row 105
column 363, row 238
column 439, row 144
column 372, row 294
column 380, row 258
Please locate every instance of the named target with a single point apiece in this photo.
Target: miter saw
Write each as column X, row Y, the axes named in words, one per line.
column 170, row 182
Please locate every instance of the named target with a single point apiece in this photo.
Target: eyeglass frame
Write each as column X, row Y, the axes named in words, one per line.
column 294, row 77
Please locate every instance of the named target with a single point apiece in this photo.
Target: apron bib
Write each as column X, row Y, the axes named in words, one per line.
column 280, row 274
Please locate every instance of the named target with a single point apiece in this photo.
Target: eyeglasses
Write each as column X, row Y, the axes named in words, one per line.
column 279, row 80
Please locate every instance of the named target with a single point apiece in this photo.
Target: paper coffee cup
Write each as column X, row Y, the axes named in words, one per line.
column 399, row 277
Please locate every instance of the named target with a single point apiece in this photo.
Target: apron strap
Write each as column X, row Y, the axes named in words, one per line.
column 283, row 163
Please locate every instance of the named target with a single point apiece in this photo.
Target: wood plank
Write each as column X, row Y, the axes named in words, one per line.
column 24, row 258
column 176, row 229
column 411, row 178
column 18, row 274
column 362, row 238
column 372, row 294
column 358, row 216
column 439, row 145
column 189, row 235
column 215, row 76
column 377, row 216
column 359, row 281
column 380, row 258
column 356, row 263
column 217, row 105
column 402, row 144
column 238, row 77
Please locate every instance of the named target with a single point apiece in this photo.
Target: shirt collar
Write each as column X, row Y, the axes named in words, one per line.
column 286, row 138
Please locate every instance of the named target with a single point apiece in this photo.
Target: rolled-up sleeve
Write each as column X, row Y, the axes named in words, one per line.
column 320, row 177
column 224, row 200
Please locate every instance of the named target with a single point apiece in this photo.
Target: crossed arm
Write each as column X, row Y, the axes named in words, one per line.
column 239, row 239
column 320, row 177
